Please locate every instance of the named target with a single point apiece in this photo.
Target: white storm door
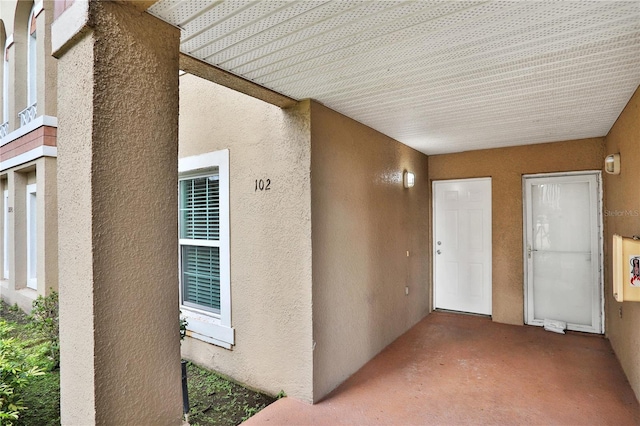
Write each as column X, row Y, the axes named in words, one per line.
column 562, row 251
column 462, row 245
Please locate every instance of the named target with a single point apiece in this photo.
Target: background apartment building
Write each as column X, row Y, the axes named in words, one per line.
column 28, row 153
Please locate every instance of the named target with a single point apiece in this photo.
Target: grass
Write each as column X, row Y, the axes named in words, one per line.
column 214, row 400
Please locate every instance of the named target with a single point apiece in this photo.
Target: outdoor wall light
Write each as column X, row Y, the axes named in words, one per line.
column 612, row 164
column 409, row 179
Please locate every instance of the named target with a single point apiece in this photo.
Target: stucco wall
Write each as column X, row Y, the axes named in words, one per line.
column 506, row 166
column 364, row 222
column 622, row 207
column 270, row 234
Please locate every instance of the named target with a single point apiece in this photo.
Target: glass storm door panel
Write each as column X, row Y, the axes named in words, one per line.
column 562, row 254
column 462, row 245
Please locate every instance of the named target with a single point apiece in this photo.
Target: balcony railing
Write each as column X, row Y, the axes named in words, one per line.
column 27, row 114
column 4, row 129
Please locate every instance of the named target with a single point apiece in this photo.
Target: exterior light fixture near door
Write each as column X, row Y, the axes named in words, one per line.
column 409, row 179
column 612, row 164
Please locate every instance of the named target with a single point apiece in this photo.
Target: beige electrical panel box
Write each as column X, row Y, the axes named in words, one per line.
column 626, row 269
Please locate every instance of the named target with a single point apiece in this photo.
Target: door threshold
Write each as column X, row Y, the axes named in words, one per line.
column 473, row 314
column 567, row 331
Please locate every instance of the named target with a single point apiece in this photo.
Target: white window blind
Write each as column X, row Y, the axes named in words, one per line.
column 201, row 276
column 200, row 208
column 199, row 239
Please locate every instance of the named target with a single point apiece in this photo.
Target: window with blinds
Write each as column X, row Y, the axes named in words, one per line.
column 200, row 241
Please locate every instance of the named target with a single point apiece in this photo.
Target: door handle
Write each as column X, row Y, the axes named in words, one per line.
column 529, row 250
column 438, row 251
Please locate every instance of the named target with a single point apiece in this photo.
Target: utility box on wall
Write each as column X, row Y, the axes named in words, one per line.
column 626, row 269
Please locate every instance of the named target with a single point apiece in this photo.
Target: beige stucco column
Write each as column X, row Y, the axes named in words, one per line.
column 48, row 225
column 117, row 197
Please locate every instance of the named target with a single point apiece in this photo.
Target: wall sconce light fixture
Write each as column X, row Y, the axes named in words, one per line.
column 409, row 179
column 612, row 164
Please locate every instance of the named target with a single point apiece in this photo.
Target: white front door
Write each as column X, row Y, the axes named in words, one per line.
column 562, row 250
column 462, row 245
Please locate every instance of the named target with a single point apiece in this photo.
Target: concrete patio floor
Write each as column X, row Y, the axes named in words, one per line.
column 453, row 369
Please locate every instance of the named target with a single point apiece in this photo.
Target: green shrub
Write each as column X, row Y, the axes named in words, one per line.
column 183, row 327
column 15, row 373
column 44, row 316
column 8, row 409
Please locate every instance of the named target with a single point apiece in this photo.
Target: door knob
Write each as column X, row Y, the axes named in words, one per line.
column 439, row 243
column 439, row 252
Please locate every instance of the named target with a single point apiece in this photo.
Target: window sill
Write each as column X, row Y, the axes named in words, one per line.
column 208, row 328
column 28, row 292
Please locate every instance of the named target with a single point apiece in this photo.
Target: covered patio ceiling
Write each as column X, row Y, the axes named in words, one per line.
column 439, row 76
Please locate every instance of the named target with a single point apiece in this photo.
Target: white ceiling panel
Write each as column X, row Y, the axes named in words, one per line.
column 439, row 76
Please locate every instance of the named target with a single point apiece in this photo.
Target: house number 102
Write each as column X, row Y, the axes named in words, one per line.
column 263, row 185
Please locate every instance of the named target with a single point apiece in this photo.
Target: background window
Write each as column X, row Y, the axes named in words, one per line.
column 32, row 62
column 32, row 237
column 5, row 87
column 205, row 265
column 200, row 241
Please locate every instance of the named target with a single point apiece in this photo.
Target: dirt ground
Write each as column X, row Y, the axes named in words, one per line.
column 216, row 401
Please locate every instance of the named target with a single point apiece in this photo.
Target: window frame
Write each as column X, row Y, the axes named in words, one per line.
column 32, row 60
column 205, row 325
column 32, row 236
column 5, row 82
column 194, row 242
